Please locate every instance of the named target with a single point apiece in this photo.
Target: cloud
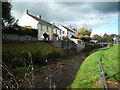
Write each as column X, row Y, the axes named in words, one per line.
column 106, row 7
column 98, row 33
column 77, row 14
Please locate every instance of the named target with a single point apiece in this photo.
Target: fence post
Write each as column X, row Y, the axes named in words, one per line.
column 103, row 75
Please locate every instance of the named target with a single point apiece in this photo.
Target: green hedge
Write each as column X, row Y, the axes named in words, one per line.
column 21, row 31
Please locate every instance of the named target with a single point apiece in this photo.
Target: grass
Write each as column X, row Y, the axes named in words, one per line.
column 13, row 49
column 88, row 73
column 24, row 69
column 20, row 55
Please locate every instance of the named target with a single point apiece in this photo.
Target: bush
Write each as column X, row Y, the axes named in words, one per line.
column 86, row 39
column 89, row 47
column 38, row 58
column 21, row 31
column 53, row 55
column 21, row 59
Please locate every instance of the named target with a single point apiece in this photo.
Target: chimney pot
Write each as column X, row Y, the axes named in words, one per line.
column 70, row 27
column 39, row 16
column 26, row 12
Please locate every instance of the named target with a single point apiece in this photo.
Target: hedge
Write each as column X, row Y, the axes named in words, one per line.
column 21, row 31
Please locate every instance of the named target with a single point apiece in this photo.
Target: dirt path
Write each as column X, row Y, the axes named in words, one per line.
column 56, row 75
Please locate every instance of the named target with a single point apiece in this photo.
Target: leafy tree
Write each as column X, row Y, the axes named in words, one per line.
column 84, row 34
column 97, row 37
column 7, row 18
column 108, row 38
column 104, row 38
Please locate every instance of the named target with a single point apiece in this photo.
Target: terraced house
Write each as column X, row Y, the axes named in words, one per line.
column 35, row 22
column 67, row 31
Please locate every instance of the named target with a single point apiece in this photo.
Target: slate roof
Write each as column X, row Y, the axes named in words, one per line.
column 43, row 22
column 67, row 28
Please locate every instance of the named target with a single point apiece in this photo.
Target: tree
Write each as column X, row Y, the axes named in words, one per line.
column 96, row 37
column 108, row 38
column 84, row 34
column 7, row 18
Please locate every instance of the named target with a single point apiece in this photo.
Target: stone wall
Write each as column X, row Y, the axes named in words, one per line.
column 80, row 43
column 66, row 45
column 75, row 44
column 15, row 37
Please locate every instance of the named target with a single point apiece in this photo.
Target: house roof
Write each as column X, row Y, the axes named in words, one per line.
column 67, row 28
column 43, row 22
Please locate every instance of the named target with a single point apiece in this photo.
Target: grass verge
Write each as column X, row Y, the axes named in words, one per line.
column 88, row 73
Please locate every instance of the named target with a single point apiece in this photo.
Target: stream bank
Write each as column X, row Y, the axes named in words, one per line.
column 56, row 75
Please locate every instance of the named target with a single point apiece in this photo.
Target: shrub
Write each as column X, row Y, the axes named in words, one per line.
column 21, row 59
column 21, row 31
column 38, row 58
column 53, row 55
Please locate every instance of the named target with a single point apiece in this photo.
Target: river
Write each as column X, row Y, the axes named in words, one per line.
column 57, row 75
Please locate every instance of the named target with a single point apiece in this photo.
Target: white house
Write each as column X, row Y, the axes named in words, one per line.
column 67, row 31
column 35, row 22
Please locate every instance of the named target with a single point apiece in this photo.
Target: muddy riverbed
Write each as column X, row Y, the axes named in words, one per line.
column 56, row 75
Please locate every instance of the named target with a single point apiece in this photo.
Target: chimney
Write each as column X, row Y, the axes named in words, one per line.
column 74, row 29
column 26, row 12
column 39, row 16
column 70, row 27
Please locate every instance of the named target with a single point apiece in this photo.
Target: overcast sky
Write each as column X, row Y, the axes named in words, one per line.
column 102, row 17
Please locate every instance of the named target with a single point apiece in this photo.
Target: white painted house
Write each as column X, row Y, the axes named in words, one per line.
column 67, row 31
column 35, row 22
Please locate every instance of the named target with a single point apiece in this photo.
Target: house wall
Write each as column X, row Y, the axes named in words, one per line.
column 49, row 32
column 44, row 30
column 70, row 33
column 26, row 20
column 66, row 32
column 63, row 30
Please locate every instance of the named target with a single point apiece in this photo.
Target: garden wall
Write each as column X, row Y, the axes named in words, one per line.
column 67, row 45
column 15, row 37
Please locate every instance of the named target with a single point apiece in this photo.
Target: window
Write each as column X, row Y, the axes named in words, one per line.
column 56, row 31
column 63, row 32
column 41, row 27
column 47, row 29
column 60, row 32
column 41, row 35
column 67, row 33
column 51, row 30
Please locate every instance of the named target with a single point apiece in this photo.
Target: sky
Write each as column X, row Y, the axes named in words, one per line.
column 102, row 17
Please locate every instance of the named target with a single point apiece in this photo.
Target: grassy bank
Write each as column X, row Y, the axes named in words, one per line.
column 13, row 49
column 88, row 73
column 21, row 55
